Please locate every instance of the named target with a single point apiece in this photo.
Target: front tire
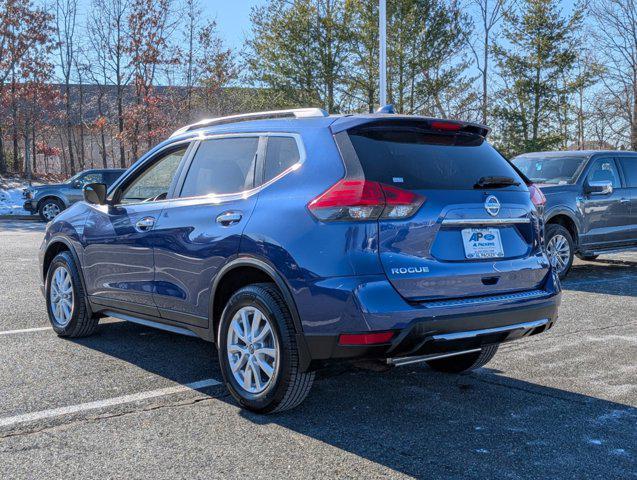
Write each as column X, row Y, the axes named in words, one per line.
column 465, row 362
column 66, row 303
column 258, row 354
column 559, row 247
column 49, row 209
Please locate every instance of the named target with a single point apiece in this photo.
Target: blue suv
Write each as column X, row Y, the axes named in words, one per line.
column 294, row 238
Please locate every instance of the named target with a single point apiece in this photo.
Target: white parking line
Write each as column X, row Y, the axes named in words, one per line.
column 109, row 402
column 24, row 330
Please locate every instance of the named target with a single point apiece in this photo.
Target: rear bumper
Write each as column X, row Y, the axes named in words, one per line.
column 450, row 333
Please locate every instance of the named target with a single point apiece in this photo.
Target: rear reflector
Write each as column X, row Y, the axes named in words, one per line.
column 351, row 200
column 365, row 338
column 537, row 197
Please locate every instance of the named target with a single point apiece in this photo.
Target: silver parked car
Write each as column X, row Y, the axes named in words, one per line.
column 49, row 200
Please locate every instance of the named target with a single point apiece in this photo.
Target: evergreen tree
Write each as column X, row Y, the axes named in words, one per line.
column 539, row 53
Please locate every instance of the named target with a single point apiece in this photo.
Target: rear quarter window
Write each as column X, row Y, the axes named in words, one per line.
column 414, row 159
column 281, row 154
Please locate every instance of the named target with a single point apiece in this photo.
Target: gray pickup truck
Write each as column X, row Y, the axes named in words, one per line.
column 591, row 202
column 49, row 200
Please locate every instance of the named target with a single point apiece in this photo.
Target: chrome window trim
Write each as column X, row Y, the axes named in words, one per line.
column 225, row 197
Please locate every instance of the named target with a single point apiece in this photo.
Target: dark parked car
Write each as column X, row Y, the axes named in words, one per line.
column 49, row 200
column 295, row 238
column 591, row 202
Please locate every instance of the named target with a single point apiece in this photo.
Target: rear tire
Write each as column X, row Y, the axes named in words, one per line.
column 66, row 304
column 559, row 247
column 465, row 362
column 281, row 385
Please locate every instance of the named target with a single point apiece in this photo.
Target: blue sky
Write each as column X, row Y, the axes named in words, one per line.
column 234, row 22
column 233, row 16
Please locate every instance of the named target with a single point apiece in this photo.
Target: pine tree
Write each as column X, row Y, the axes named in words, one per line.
column 539, row 52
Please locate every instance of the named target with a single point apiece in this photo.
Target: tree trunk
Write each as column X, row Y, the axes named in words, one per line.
column 120, row 127
column 27, row 150
column 34, row 149
column 633, row 123
column 81, row 158
column 69, row 128
column 485, row 87
column 3, row 159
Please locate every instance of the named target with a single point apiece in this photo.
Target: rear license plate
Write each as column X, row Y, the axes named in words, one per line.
column 482, row 243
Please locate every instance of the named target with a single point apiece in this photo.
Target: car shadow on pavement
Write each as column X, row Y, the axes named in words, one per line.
column 415, row 421
column 606, row 276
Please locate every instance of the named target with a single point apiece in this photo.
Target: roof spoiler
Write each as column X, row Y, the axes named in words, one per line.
column 435, row 124
column 247, row 117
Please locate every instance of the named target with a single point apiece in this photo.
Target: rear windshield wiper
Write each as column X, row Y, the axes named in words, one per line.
column 496, row 182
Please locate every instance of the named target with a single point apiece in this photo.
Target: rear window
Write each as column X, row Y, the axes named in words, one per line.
column 415, row 159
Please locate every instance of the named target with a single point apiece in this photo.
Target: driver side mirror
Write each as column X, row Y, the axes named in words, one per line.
column 95, row 193
column 77, row 184
column 602, row 187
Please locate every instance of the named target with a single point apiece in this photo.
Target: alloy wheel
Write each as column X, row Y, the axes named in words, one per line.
column 559, row 252
column 61, row 296
column 252, row 349
column 50, row 211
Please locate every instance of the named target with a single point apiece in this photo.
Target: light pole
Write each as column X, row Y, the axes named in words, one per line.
column 382, row 54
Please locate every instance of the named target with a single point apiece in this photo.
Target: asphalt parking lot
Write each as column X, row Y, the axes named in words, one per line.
column 133, row 402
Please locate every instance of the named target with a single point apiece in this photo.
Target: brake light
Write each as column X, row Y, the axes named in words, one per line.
column 351, row 200
column 374, row 338
column 537, row 197
column 447, row 126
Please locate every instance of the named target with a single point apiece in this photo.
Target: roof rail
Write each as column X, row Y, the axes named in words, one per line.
column 246, row 117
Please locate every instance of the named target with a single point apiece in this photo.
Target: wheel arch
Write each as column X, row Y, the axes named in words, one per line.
column 243, row 271
column 56, row 246
column 568, row 221
column 52, row 196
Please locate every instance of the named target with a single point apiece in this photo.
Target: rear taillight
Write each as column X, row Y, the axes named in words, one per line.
column 537, row 197
column 351, row 200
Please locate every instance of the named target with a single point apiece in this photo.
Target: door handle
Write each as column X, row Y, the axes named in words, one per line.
column 624, row 200
column 145, row 224
column 229, row 218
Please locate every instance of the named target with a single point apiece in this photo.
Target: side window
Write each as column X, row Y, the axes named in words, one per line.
column 629, row 165
column 281, row 154
column 154, row 182
column 91, row 177
column 222, row 165
column 604, row 170
column 110, row 177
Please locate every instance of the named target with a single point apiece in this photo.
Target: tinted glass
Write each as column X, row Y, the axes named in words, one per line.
column 629, row 165
column 554, row 170
column 282, row 153
column 91, row 177
column 110, row 177
column 224, row 165
column 413, row 159
column 604, row 170
column 154, row 182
